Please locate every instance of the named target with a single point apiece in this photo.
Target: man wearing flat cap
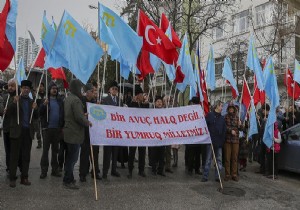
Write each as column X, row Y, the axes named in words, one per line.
column 137, row 103
column 21, row 132
column 111, row 152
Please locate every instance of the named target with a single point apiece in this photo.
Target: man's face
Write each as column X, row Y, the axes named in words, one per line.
column 159, row 103
column 42, row 89
column 90, row 94
column 25, row 91
column 53, row 91
column 219, row 108
column 113, row 91
column 231, row 110
column 140, row 97
column 11, row 87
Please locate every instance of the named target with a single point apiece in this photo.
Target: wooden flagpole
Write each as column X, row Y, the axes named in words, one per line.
column 36, row 98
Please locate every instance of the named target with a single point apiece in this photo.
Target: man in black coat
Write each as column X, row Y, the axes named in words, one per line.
column 110, row 153
column 137, row 103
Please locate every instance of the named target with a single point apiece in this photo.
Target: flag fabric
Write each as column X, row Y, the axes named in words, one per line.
column 20, row 74
column 179, row 76
column 291, row 85
column 8, row 44
column 258, row 95
column 119, row 36
column 185, row 62
column 228, row 75
column 144, row 65
column 74, row 49
column 164, row 25
column 210, row 68
column 124, row 69
column 271, row 90
column 170, row 68
column 155, row 62
column 297, row 72
column 197, row 77
column 204, row 93
column 59, row 74
column 254, row 64
column 47, row 34
column 155, row 40
column 40, row 59
column 246, row 96
column 253, row 123
column 3, row 18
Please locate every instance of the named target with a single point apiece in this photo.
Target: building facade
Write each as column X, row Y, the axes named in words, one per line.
column 275, row 26
column 28, row 50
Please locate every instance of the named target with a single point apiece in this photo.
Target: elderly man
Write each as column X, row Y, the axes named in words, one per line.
column 21, row 132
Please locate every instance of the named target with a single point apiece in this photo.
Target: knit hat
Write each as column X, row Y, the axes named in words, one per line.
column 26, row 83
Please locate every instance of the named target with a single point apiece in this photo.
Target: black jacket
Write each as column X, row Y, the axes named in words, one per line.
column 217, row 128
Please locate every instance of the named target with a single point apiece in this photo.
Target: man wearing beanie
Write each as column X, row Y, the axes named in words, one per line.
column 21, row 133
column 137, row 103
column 51, row 129
column 75, row 123
column 111, row 152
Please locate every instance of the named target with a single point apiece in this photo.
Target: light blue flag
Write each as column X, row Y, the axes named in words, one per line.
column 272, row 93
column 124, row 69
column 253, row 123
column 118, row 35
column 155, row 62
column 74, row 49
column 197, row 76
column 185, row 62
column 254, row 64
column 228, row 75
column 210, row 68
column 297, row 72
column 20, row 74
column 47, row 34
column 10, row 29
column 170, row 69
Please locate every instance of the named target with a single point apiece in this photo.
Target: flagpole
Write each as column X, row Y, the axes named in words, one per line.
column 17, row 92
column 38, row 89
column 174, row 97
column 222, row 91
column 286, row 82
column 225, row 90
column 98, row 82
column 294, row 102
column 103, row 78
column 46, row 94
column 117, row 71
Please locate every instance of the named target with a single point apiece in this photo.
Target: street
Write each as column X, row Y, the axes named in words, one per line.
column 176, row 191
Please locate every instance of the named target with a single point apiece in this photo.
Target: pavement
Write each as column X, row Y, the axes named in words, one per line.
column 176, row 191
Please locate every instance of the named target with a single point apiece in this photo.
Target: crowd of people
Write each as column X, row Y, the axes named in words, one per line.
column 61, row 122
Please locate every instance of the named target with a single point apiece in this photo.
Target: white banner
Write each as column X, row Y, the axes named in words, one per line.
column 123, row 126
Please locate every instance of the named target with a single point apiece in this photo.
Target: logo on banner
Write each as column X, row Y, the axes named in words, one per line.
column 98, row 113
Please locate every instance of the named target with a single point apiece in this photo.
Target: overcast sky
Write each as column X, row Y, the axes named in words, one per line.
column 30, row 13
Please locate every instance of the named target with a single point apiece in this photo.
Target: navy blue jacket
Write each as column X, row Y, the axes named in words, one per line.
column 217, row 128
column 43, row 112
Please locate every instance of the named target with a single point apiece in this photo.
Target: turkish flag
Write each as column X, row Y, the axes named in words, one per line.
column 144, row 65
column 259, row 95
column 164, row 24
column 59, row 74
column 246, row 96
column 204, row 93
column 6, row 49
column 233, row 92
column 155, row 40
column 40, row 60
column 290, row 85
column 3, row 18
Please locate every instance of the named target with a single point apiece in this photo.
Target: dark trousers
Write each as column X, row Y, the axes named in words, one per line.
column 193, row 156
column 37, row 129
column 142, row 155
column 7, row 148
column 20, row 148
column 168, row 156
column 270, row 163
column 71, row 159
column 62, row 152
column 262, row 157
column 51, row 138
column 110, row 153
column 158, row 158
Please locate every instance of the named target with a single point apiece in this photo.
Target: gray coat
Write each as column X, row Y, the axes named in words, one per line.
column 75, row 120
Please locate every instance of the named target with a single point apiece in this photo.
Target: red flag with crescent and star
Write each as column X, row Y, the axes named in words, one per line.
column 155, row 40
column 290, row 84
column 164, row 24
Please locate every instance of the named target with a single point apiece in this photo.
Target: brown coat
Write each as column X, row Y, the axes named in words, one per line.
column 232, row 123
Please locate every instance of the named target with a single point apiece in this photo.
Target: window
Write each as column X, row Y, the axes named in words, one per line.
column 241, row 22
column 218, row 32
column 264, row 14
column 219, row 63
